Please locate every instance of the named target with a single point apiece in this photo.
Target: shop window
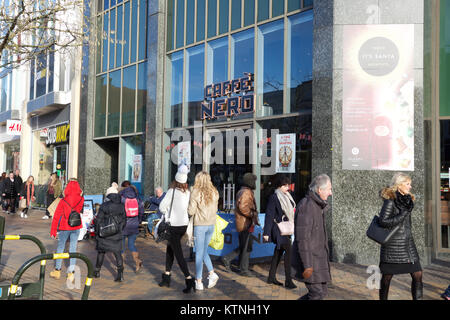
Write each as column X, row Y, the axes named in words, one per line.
column 142, row 29
column 119, row 36
column 300, row 179
column 175, row 72
column 263, row 10
column 294, row 5
column 270, row 68
column 126, row 34
column 170, row 24
column 132, row 155
column 141, row 96
column 112, row 38
column 444, row 222
column 201, row 13
column 224, row 9
column 212, row 18
column 100, row 106
column 128, row 99
column 114, row 103
column 236, row 8
column 134, row 29
column 277, row 8
column 300, row 36
column 249, row 12
column 105, row 42
column 180, row 24
column 195, row 58
column 190, row 22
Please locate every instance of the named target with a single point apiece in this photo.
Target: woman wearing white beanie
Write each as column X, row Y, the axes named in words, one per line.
column 174, row 207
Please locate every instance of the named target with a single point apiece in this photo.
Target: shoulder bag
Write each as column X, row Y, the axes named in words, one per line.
column 286, row 227
column 379, row 234
column 163, row 229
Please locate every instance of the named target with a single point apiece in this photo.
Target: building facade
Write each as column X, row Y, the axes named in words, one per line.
column 295, row 87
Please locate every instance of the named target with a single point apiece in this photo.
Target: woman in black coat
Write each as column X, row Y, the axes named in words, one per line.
column 112, row 243
column 10, row 192
column 280, row 204
column 399, row 255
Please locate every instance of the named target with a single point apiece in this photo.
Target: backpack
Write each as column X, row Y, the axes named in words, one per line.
column 131, row 207
column 74, row 219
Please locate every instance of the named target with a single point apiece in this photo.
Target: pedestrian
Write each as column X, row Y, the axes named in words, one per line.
column 27, row 194
column 72, row 201
column 115, row 209
column 54, row 190
column 19, row 183
column 246, row 217
column 399, row 255
column 280, row 207
column 155, row 201
column 203, row 206
column 11, row 191
column 134, row 210
column 174, row 208
column 311, row 240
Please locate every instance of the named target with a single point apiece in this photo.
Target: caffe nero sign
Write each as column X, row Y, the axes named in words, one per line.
column 58, row 134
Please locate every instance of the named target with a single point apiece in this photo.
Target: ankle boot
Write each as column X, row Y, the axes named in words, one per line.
column 417, row 290
column 289, row 284
column 119, row 277
column 98, row 264
column 137, row 261
column 165, row 280
column 190, row 284
column 97, row 273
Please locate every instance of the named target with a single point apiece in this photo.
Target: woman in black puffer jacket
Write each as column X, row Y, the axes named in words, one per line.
column 399, row 255
column 112, row 243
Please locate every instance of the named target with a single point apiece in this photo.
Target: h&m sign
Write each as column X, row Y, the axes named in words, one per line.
column 222, row 100
column 58, row 134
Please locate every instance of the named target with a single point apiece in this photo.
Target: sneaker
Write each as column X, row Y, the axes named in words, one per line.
column 45, row 217
column 198, row 285
column 56, row 274
column 25, row 216
column 21, row 214
column 212, row 280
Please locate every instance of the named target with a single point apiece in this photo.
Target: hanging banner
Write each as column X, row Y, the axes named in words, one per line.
column 378, row 97
column 184, row 154
column 137, row 168
column 285, row 153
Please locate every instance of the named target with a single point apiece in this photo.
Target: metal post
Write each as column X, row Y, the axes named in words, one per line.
column 2, row 231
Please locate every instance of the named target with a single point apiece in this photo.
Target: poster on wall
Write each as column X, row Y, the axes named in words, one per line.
column 184, row 154
column 285, row 153
column 378, row 97
column 137, row 168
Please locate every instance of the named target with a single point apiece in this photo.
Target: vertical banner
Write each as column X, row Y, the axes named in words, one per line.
column 184, row 154
column 137, row 168
column 378, row 97
column 285, row 153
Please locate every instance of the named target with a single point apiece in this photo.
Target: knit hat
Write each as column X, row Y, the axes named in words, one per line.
column 249, row 180
column 181, row 176
column 113, row 189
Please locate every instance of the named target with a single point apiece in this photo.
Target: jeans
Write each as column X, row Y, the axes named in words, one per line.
column 63, row 236
column 131, row 242
column 150, row 220
column 202, row 237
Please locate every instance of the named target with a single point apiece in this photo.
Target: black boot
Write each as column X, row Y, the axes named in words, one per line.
column 165, row 280
column 97, row 273
column 417, row 290
column 271, row 280
column 190, row 284
column 98, row 264
column 119, row 277
column 289, row 284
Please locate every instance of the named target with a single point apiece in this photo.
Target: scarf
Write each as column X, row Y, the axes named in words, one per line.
column 287, row 203
column 28, row 193
column 403, row 202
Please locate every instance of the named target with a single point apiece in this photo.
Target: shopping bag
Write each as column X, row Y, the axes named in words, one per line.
column 189, row 235
column 218, row 239
column 22, row 203
column 52, row 207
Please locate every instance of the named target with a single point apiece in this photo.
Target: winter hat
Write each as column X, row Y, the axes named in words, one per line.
column 181, row 176
column 113, row 189
column 249, row 180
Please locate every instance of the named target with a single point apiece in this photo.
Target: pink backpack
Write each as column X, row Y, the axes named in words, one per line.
column 131, row 207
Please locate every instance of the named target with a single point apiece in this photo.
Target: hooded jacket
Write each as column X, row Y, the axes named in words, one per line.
column 245, row 212
column 132, row 225
column 73, row 200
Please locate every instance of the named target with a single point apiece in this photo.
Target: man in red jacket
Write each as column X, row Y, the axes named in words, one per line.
column 72, row 201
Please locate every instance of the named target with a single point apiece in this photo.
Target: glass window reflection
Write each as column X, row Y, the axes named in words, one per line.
column 236, row 8
column 126, row 34
column 249, row 12
column 100, row 106
column 105, row 41
column 142, row 29
column 212, row 18
column 112, row 38
column 190, row 23
column 195, row 61
column 176, row 89
column 294, row 5
column 119, row 36
column 134, row 15
column 223, row 16
column 141, row 96
column 217, row 60
column 180, row 24
column 263, row 10
column 114, row 103
column 277, row 8
column 128, row 99
column 201, row 7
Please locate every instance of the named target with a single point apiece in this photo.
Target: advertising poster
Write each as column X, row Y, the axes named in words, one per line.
column 378, row 98
column 137, row 168
column 184, row 154
column 285, row 153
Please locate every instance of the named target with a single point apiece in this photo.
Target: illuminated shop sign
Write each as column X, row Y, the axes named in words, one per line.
column 58, row 134
column 229, row 98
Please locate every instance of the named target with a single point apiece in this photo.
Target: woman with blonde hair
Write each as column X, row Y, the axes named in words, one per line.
column 203, row 206
column 399, row 255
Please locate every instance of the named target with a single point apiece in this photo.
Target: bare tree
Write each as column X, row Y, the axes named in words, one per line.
column 30, row 28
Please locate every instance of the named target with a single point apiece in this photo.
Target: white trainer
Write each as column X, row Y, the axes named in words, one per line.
column 21, row 214
column 198, row 285
column 25, row 216
column 212, row 280
column 45, row 217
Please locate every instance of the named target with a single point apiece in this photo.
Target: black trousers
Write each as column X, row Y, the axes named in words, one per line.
column 243, row 251
column 10, row 203
column 50, row 199
column 277, row 254
column 174, row 250
column 101, row 257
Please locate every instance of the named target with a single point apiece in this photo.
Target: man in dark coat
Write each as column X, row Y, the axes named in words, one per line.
column 113, row 243
column 311, row 240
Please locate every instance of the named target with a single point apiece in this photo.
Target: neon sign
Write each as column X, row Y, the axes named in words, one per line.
column 221, row 99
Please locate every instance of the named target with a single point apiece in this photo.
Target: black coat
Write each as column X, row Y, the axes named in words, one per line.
column 116, row 208
column 274, row 212
column 11, row 189
column 401, row 247
column 310, row 248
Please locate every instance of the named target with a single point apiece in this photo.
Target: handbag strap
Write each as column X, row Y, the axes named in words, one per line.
column 71, row 206
column 171, row 203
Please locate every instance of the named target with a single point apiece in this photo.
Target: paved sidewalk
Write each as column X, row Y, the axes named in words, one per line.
column 349, row 281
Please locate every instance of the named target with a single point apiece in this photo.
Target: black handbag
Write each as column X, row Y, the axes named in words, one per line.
column 108, row 228
column 74, row 219
column 380, row 234
column 164, row 226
